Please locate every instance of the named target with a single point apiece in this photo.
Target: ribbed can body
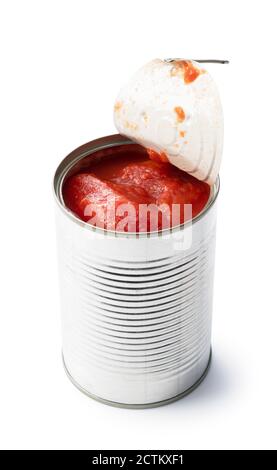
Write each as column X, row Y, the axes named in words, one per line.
column 136, row 310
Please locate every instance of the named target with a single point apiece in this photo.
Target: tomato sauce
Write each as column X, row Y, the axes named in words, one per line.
column 187, row 69
column 115, row 191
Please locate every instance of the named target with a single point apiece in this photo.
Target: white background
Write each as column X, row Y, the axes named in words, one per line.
column 61, row 65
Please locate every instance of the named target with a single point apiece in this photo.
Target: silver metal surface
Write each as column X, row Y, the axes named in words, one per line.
column 203, row 61
column 212, row 61
column 136, row 308
column 136, row 406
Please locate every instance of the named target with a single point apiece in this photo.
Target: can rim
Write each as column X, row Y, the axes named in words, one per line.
column 140, row 406
column 100, row 144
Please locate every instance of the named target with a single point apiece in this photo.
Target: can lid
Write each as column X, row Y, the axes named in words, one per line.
column 172, row 107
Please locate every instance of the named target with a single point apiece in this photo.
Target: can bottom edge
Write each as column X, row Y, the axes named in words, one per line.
column 139, row 406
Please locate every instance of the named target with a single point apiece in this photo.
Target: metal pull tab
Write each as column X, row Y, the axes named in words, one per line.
column 212, row 61
column 207, row 61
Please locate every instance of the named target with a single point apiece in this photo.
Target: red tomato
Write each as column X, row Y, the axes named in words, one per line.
column 116, row 194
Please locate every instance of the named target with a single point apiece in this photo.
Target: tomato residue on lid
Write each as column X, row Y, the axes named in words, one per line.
column 132, row 182
column 118, row 105
column 157, row 157
column 180, row 113
column 187, row 69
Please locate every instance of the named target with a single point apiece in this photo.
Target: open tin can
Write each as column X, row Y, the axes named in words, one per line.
column 136, row 307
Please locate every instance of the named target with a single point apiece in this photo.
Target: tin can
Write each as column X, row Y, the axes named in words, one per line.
column 136, row 308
